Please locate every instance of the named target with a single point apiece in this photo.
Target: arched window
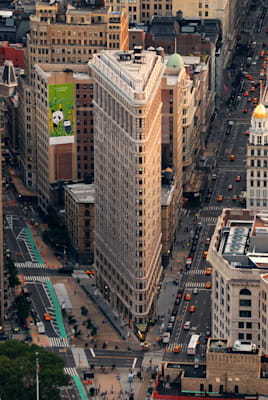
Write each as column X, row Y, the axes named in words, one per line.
column 245, row 292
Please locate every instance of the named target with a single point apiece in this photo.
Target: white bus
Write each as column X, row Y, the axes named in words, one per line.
column 191, row 349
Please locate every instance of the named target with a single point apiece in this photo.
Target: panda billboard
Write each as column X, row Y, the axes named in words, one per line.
column 61, row 113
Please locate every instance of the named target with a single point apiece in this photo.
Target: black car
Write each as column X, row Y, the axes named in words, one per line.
column 193, row 248
column 66, row 270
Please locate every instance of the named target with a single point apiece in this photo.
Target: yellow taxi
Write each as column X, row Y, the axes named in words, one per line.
column 220, row 198
column 208, row 271
column 252, row 89
column 245, row 94
column 255, row 100
column 205, row 253
column 90, row 272
column 192, row 309
column 176, row 349
column 208, row 285
column 47, row 317
column 232, row 157
column 187, row 297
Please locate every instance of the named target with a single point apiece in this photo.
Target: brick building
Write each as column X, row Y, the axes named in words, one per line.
column 12, row 52
column 79, row 219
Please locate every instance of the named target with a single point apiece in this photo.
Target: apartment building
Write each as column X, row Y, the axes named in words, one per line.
column 74, row 35
column 229, row 372
column 79, row 203
column 142, row 11
column 173, row 82
column 238, row 255
column 229, row 12
column 127, row 120
column 257, row 159
column 66, row 38
column 60, row 142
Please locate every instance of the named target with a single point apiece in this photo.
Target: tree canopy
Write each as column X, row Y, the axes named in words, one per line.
column 18, row 372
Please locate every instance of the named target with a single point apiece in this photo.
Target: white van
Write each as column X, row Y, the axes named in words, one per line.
column 166, row 337
column 40, row 327
column 187, row 325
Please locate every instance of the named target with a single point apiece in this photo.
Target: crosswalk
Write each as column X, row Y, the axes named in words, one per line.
column 23, row 236
column 212, row 208
column 9, row 219
column 195, row 272
column 58, row 342
column 183, row 347
column 35, row 278
column 28, row 264
column 195, row 285
column 213, row 220
column 70, row 371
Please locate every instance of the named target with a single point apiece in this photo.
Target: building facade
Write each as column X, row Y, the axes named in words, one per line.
column 238, row 257
column 79, row 201
column 60, row 141
column 257, row 159
column 127, row 112
column 227, row 373
column 65, row 37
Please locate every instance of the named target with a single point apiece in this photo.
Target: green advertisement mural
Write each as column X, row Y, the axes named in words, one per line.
column 61, row 113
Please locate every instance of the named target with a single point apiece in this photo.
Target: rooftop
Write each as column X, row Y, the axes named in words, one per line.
column 241, row 238
column 166, row 194
column 133, row 72
column 80, row 72
column 81, row 192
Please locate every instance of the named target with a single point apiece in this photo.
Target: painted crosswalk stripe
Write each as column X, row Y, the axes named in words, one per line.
column 195, row 272
column 58, row 342
column 212, row 208
column 70, row 371
column 208, row 219
column 183, row 346
column 195, row 285
column 36, row 278
column 29, row 264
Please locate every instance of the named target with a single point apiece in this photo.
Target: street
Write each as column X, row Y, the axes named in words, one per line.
column 222, row 145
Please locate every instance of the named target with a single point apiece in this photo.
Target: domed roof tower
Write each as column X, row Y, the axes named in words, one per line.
column 175, row 61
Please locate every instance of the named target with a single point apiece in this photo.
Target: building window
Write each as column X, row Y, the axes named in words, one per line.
column 241, row 325
column 245, row 302
column 241, row 336
column 245, row 292
column 244, row 314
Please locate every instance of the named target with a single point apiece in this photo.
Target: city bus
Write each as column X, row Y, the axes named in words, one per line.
column 194, row 341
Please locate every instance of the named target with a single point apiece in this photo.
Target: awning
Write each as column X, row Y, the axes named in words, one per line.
column 141, row 327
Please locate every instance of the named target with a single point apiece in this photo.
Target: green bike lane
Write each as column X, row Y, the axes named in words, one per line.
column 56, row 305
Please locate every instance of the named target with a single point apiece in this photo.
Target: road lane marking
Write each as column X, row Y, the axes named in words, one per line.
column 134, row 363
column 92, row 352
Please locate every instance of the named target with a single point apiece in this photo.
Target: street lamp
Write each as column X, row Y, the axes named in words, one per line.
column 37, row 376
column 64, row 251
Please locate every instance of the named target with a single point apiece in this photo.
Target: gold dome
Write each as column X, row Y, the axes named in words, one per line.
column 260, row 112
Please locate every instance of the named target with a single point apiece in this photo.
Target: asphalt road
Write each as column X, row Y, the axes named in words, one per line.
column 226, row 171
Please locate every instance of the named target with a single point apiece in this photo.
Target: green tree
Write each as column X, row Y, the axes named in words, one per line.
column 13, row 281
column 18, row 372
column 23, row 307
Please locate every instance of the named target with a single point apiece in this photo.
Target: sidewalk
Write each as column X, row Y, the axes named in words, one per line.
column 105, row 333
column 117, row 322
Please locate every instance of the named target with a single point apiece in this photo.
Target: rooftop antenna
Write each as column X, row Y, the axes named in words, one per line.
column 175, row 44
column 261, row 93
